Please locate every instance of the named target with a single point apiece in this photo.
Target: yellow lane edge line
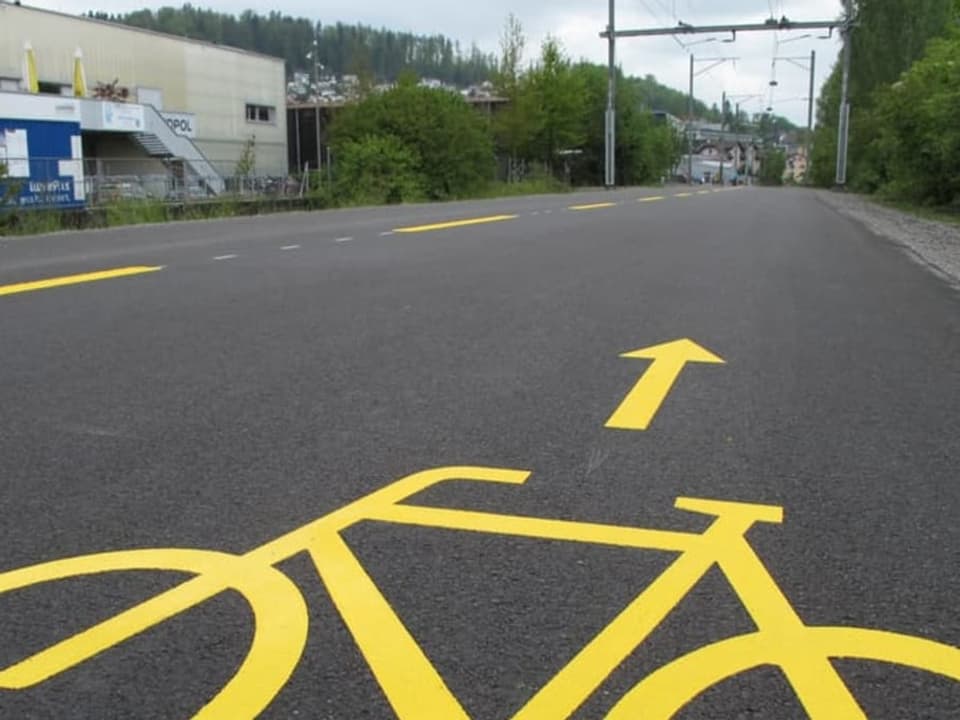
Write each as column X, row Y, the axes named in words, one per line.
column 703, row 192
column 77, row 279
column 455, row 223
column 684, row 195
column 651, row 199
column 593, row 206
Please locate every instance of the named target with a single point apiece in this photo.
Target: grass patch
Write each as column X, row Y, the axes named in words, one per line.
column 136, row 212
column 946, row 214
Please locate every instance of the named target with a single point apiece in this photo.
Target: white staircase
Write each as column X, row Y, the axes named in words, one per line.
column 160, row 141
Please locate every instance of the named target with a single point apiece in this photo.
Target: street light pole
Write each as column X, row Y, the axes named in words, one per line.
column 610, row 120
column 843, row 132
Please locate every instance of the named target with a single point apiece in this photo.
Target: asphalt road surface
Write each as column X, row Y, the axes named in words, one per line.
column 251, row 377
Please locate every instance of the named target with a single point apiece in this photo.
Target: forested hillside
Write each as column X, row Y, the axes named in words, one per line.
column 905, row 95
column 342, row 49
column 358, row 49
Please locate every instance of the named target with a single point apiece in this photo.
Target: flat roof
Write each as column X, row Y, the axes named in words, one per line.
column 132, row 28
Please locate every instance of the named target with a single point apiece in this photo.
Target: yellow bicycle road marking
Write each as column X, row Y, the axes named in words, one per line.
column 593, row 206
column 76, row 279
column 410, row 682
column 455, row 224
column 641, row 404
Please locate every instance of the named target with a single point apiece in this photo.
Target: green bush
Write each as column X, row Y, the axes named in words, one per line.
column 447, row 140
column 377, row 170
column 918, row 138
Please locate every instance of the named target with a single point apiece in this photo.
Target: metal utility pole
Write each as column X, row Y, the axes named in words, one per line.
column 770, row 25
column 843, row 132
column 809, row 149
column 716, row 61
column 610, row 134
column 723, row 118
column 690, row 127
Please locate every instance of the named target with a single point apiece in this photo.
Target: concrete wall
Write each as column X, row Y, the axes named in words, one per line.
column 214, row 83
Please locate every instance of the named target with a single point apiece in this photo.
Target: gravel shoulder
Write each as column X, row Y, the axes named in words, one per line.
column 935, row 244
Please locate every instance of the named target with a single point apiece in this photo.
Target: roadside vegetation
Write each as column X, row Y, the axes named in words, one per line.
column 413, row 143
column 905, row 95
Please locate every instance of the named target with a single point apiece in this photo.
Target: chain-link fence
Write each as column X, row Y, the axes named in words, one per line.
column 96, row 182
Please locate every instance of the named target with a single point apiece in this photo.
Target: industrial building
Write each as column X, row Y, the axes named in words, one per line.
column 83, row 102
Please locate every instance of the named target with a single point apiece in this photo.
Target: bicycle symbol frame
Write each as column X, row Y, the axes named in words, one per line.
column 412, row 685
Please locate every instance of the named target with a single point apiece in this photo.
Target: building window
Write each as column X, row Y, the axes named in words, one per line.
column 261, row 113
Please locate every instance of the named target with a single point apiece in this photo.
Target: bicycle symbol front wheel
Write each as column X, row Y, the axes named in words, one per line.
column 804, row 658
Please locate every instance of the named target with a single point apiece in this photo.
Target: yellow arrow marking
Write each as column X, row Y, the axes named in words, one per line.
column 638, row 409
column 76, row 279
column 593, row 206
column 455, row 224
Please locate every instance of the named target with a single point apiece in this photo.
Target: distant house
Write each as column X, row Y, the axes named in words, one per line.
column 796, row 167
column 714, row 160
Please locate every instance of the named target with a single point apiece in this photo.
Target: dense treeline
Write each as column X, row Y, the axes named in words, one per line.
column 413, row 143
column 660, row 97
column 905, row 95
column 343, row 49
column 357, row 49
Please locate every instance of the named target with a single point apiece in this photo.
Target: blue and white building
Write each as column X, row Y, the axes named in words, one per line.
column 86, row 103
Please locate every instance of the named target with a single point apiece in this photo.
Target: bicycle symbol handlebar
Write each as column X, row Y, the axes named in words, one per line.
column 409, row 680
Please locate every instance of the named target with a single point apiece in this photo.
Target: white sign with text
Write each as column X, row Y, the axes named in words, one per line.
column 184, row 124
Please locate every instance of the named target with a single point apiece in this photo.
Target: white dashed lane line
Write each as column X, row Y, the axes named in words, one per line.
column 387, row 233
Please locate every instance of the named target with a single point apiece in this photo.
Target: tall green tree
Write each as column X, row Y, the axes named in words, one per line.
column 646, row 151
column 889, row 36
column 917, row 142
column 558, row 95
column 516, row 124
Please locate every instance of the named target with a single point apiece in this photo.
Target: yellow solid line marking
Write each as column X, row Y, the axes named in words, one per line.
column 594, row 206
column 684, row 195
column 455, row 223
column 76, row 279
column 651, row 199
column 703, row 192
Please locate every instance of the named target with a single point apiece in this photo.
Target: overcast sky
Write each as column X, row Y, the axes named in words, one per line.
column 577, row 24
